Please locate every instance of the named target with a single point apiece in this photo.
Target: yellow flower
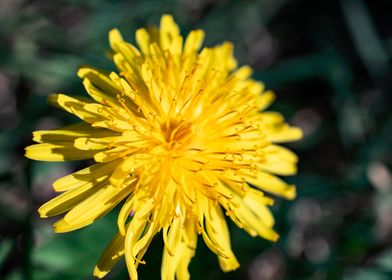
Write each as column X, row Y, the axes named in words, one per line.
column 181, row 137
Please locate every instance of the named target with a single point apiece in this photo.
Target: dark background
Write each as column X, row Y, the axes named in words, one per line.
column 330, row 65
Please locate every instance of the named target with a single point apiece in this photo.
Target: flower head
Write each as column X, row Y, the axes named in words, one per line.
column 181, row 137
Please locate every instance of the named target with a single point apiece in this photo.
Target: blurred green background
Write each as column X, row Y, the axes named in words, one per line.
column 329, row 63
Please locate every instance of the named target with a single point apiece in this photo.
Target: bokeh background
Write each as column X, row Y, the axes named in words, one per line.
column 330, row 65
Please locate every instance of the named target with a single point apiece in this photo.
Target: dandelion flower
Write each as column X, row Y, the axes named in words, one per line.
column 181, row 138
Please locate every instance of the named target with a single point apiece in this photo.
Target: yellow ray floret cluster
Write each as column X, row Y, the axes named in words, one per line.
column 180, row 136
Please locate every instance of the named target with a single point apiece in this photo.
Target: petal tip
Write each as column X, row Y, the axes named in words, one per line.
column 99, row 273
column 291, row 192
column 42, row 213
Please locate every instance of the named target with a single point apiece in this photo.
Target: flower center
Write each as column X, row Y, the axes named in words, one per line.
column 177, row 133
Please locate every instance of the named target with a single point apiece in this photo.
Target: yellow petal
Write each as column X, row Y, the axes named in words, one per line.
column 240, row 211
column 115, row 38
column 271, row 184
column 194, row 41
column 224, row 58
column 93, row 208
column 124, row 214
column 101, row 96
column 169, row 31
column 271, row 118
column 277, row 165
column 68, row 200
column 189, row 238
column 255, row 201
column 204, row 218
column 176, row 47
column 74, row 106
column 280, row 153
column 123, row 170
column 253, row 223
column 112, row 254
column 266, row 100
column 127, row 50
column 172, row 250
column 100, row 80
column 69, row 133
column 133, row 233
column 243, row 72
column 219, row 234
column 145, row 240
column 93, row 143
column 112, row 154
column 283, row 133
column 143, row 40
column 57, row 152
column 142, row 208
column 84, row 176
column 138, row 226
